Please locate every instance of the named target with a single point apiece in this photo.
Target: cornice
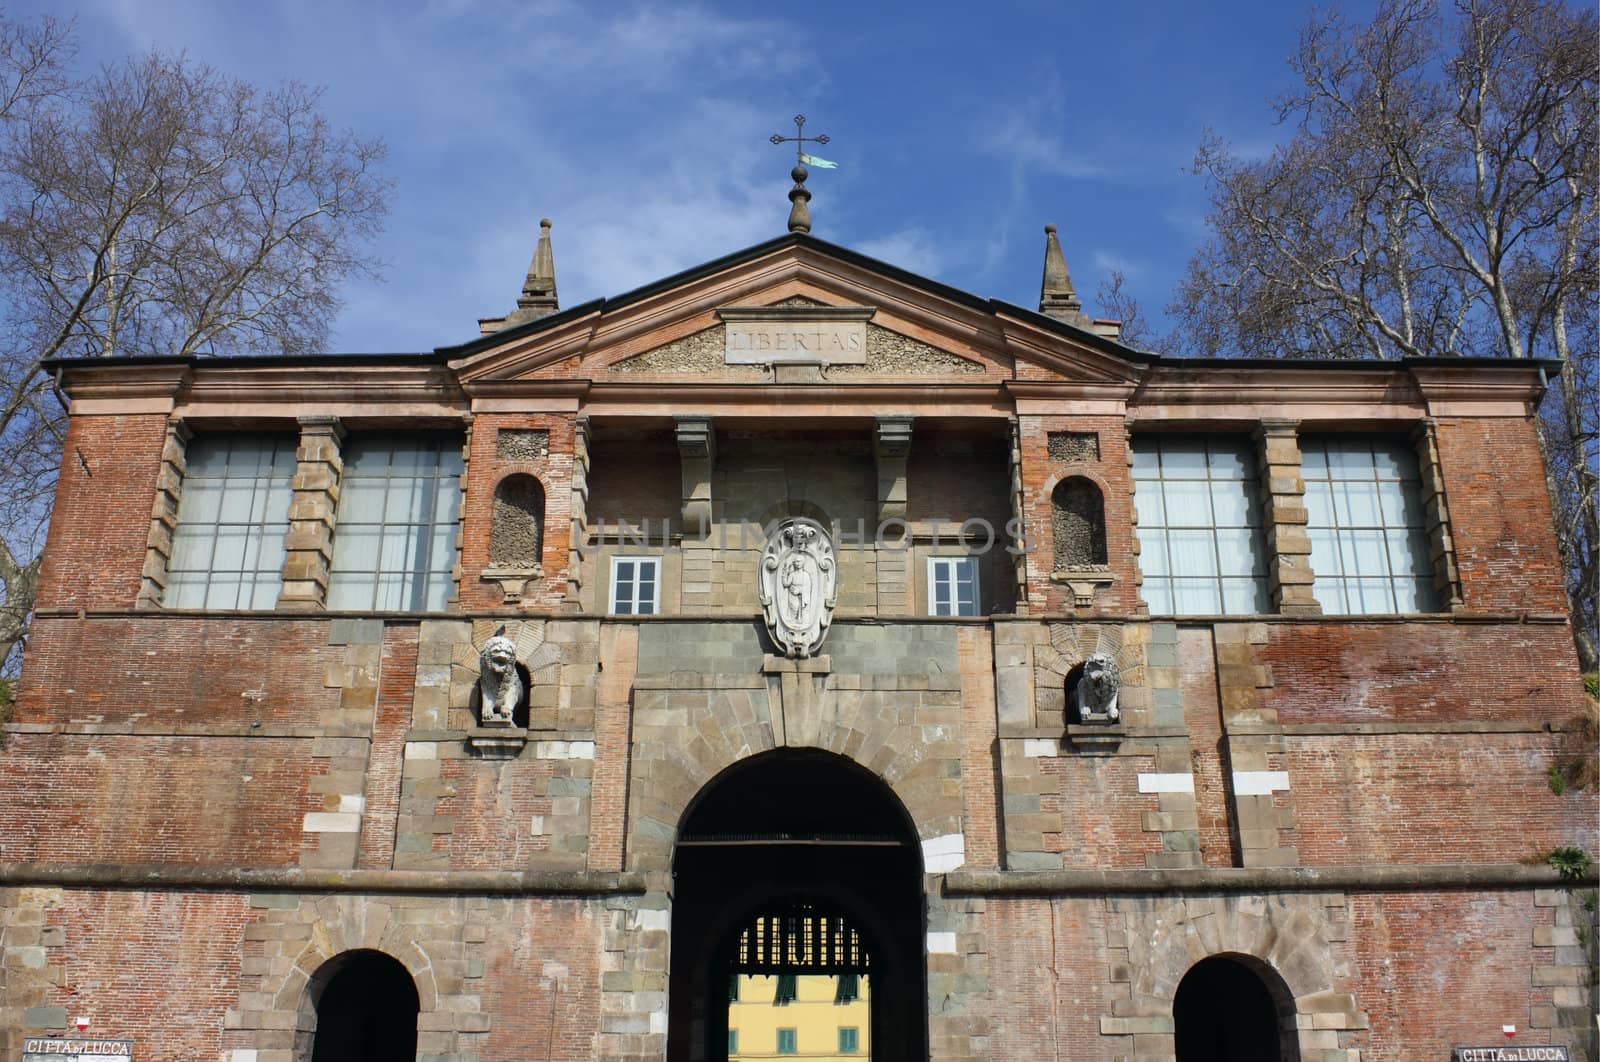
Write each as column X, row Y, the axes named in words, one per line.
column 94, row 387
column 345, row 389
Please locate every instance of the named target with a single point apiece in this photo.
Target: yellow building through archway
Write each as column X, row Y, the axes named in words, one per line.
column 820, row 1017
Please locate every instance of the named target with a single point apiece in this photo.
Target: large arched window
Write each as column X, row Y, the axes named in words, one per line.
column 1234, row 1008
column 366, row 1006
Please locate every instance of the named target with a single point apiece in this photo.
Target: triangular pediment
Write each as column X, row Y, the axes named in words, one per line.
column 793, row 309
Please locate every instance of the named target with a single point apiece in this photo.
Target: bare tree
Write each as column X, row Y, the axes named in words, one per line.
column 158, row 207
column 1120, row 304
column 1438, row 195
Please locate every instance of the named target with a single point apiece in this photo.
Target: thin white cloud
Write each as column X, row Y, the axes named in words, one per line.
column 1107, row 262
column 910, row 248
column 1026, row 143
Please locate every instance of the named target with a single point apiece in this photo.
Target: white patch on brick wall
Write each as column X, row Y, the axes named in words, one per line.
column 941, row 943
column 331, row 822
column 421, row 750
column 1166, row 783
column 658, row 1022
column 537, row 825
column 940, row 854
column 652, row 918
column 1041, row 747
column 564, row 750
column 1259, row 783
column 242, row 1054
column 352, row 805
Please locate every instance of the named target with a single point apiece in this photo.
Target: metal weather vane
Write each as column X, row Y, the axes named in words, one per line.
column 799, row 195
column 799, row 141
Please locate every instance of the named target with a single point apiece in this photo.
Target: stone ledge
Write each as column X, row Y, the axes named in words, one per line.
column 288, row 879
column 198, row 730
column 1489, row 726
column 1383, row 878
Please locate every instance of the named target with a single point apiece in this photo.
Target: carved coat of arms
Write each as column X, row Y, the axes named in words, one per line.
column 799, row 582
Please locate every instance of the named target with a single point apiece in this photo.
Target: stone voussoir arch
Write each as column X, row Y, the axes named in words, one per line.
column 1283, row 939
column 669, row 778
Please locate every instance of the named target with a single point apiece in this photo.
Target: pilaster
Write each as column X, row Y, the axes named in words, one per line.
column 308, row 548
column 697, row 452
column 891, row 446
column 1441, row 544
column 164, row 513
column 1283, row 512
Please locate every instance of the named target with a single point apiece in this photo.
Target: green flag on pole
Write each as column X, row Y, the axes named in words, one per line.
column 821, row 164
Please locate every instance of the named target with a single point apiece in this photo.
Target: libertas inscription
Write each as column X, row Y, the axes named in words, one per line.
column 818, row 335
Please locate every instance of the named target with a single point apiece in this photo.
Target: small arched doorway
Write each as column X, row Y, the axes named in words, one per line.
column 366, row 1009
column 798, row 877
column 1234, row 1008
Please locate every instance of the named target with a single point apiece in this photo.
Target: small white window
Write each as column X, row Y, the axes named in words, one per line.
column 635, row 586
column 952, row 586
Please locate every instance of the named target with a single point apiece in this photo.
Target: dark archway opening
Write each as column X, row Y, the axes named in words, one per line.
column 810, row 841
column 1234, row 1009
column 366, row 1008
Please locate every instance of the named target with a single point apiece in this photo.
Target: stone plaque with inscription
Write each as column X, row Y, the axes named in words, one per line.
column 75, row 1049
column 817, row 335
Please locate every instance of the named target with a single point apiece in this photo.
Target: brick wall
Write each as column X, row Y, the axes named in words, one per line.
column 485, row 469
column 1431, row 798
column 162, row 671
column 1040, row 474
column 95, row 550
column 1500, row 515
column 157, row 968
column 225, row 801
column 1349, row 671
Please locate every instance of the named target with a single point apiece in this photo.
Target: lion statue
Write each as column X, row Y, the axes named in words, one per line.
column 499, row 685
column 1096, row 695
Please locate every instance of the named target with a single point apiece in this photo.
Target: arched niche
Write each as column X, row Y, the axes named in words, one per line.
column 516, row 523
column 516, row 535
column 1078, row 522
column 806, row 837
column 366, row 1007
column 1234, row 1008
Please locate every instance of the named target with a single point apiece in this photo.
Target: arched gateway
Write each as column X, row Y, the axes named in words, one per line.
column 795, row 865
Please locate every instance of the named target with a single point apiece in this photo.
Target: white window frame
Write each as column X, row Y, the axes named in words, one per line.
column 634, row 610
column 951, row 564
column 1233, row 554
column 243, row 503
column 1369, row 534
column 367, row 572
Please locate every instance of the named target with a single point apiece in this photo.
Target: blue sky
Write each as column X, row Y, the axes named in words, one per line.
column 641, row 129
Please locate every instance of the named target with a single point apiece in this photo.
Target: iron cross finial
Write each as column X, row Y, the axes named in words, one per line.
column 800, row 139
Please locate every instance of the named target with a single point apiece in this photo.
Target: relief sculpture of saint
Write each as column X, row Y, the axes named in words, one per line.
column 798, row 586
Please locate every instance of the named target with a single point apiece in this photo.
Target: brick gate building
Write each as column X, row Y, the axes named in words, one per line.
column 1087, row 703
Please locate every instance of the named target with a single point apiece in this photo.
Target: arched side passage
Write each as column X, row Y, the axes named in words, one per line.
column 364, row 1007
column 1283, row 940
column 1234, row 1008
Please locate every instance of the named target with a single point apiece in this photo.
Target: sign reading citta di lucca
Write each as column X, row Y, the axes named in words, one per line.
column 75, row 1049
column 1528, row 1053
